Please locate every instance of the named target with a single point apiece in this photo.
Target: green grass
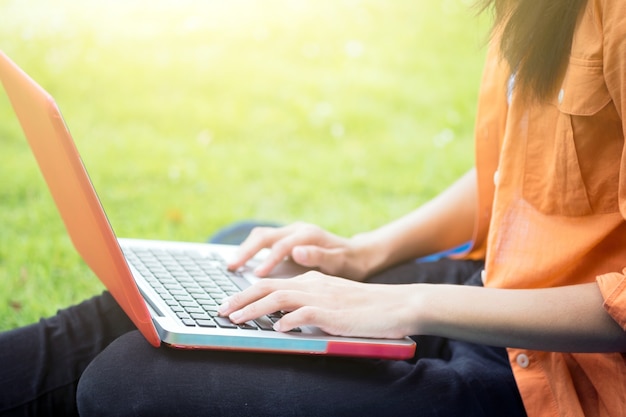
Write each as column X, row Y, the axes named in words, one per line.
column 194, row 114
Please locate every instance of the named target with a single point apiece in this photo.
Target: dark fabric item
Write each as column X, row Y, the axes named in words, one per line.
column 40, row 364
column 449, row 378
column 131, row 378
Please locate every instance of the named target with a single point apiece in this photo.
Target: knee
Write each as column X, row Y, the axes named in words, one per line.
column 108, row 386
column 92, row 393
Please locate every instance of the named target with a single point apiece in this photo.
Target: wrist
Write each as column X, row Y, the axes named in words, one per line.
column 370, row 252
column 412, row 311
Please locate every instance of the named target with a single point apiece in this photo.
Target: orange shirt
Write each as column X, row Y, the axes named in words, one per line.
column 552, row 204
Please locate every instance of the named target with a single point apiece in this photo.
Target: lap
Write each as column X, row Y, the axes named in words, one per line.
column 132, row 378
column 448, row 378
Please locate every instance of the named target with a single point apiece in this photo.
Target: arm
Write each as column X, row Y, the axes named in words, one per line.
column 568, row 318
column 442, row 223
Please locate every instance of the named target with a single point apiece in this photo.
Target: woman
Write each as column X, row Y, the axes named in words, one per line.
column 537, row 328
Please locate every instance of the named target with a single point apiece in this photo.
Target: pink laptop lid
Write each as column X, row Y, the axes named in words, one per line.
column 73, row 192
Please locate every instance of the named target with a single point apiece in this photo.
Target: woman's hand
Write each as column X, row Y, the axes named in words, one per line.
column 307, row 245
column 559, row 319
column 335, row 305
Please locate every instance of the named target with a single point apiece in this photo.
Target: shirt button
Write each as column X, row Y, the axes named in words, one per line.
column 522, row 360
column 561, row 94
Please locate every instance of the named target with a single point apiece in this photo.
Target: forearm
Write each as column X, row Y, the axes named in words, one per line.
column 442, row 223
column 569, row 319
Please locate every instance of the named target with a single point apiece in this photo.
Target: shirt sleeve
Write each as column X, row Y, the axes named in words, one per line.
column 611, row 16
column 613, row 289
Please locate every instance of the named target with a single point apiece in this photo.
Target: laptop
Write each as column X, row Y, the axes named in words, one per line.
column 170, row 290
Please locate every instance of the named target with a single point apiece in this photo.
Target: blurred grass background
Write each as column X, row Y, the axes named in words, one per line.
column 193, row 114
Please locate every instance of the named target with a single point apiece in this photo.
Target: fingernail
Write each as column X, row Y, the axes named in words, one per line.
column 223, row 307
column 301, row 254
column 276, row 326
column 236, row 315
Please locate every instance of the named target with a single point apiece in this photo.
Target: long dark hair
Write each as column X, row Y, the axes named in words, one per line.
column 536, row 40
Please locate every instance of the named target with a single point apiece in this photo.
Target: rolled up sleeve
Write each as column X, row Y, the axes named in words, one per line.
column 613, row 289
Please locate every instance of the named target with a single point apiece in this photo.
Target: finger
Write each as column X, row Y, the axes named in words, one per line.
column 266, row 289
column 281, row 300
column 281, row 249
column 247, row 296
column 259, row 290
column 259, row 238
column 304, row 316
column 328, row 320
column 327, row 260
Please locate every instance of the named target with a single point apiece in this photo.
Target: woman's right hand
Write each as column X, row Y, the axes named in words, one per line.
column 307, row 245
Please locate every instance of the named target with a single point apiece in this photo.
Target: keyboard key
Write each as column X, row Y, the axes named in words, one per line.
column 200, row 316
column 212, row 310
column 225, row 323
column 189, row 322
column 249, row 325
column 264, row 323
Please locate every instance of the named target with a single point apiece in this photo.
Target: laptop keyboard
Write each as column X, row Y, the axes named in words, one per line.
column 193, row 285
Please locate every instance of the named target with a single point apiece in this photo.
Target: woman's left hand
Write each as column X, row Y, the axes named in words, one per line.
column 337, row 306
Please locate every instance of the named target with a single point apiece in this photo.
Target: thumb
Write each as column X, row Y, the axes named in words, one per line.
column 312, row 257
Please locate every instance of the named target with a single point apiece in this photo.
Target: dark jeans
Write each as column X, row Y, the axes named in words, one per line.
column 90, row 355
